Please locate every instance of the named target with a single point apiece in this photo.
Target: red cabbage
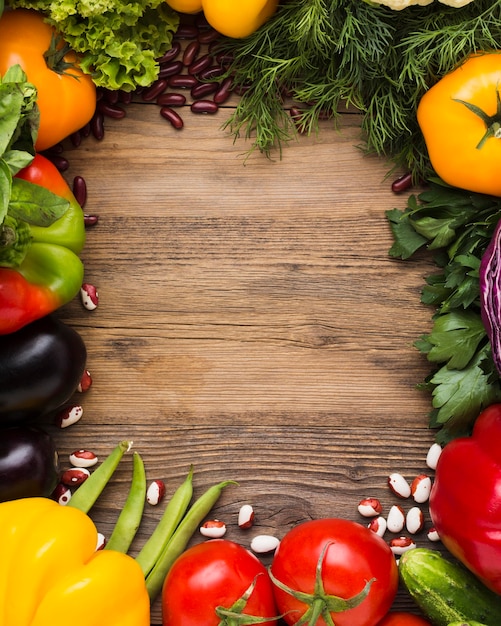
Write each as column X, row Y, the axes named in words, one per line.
column 490, row 294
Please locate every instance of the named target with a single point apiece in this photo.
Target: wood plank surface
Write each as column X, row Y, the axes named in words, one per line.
column 250, row 321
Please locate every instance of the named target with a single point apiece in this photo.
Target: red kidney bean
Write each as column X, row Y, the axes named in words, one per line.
column 90, row 220
column 80, row 190
column 125, row 97
column 58, row 148
column 111, row 110
column 173, row 117
column 110, row 96
column 86, row 130
column 76, row 138
column 202, row 90
column 154, row 90
column 182, row 82
column 204, row 106
column 211, row 72
column 170, row 69
column 171, row 99
column 186, row 31
column 200, row 64
column 224, row 90
column 170, row 54
column 403, row 183
column 224, row 59
column 191, row 52
column 97, row 125
column 297, row 115
column 208, row 35
column 60, row 162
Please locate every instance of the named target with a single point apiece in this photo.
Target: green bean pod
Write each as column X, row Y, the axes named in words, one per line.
column 130, row 517
column 89, row 491
column 173, row 514
column 179, row 540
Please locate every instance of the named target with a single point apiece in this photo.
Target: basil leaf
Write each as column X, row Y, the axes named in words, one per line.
column 11, row 106
column 17, row 160
column 5, row 189
column 35, row 204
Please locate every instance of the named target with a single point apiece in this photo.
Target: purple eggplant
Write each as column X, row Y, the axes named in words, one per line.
column 29, row 464
column 41, row 366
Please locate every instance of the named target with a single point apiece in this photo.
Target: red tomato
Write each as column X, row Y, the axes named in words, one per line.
column 216, row 573
column 399, row 618
column 350, row 555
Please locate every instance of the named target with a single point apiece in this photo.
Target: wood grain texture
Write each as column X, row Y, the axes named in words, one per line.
column 250, row 322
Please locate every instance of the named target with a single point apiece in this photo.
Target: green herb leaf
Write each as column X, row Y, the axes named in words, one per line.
column 15, row 239
column 455, row 339
column 34, row 204
column 459, row 396
column 17, row 160
column 407, row 240
column 5, row 189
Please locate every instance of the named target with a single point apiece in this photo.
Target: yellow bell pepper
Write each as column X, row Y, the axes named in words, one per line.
column 230, row 18
column 52, row 575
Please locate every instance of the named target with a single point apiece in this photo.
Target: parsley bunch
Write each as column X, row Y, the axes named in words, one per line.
column 456, row 226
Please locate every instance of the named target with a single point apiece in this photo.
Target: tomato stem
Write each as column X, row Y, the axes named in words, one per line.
column 55, row 57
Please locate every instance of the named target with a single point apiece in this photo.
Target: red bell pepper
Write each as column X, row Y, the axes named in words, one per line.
column 51, row 272
column 465, row 500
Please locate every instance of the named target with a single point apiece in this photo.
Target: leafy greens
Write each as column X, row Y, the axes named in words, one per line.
column 331, row 54
column 456, row 226
column 119, row 41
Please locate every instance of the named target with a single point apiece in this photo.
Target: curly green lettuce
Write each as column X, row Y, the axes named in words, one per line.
column 119, row 42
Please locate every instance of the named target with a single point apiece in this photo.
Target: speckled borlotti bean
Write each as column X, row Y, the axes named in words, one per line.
column 420, row 488
column 89, row 296
column 214, row 529
column 398, row 485
column 83, row 458
column 246, row 516
column 75, row 476
column 155, row 492
column 433, row 455
column 61, row 494
column 69, row 415
column 399, row 545
column 370, row 507
column 264, row 544
column 414, row 520
column 378, row 525
column 395, row 520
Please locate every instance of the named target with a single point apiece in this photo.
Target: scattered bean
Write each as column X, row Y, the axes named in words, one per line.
column 69, row 415
column 171, row 99
column 202, row 90
column 171, row 69
column 182, row 81
column 171, row 116
column 245, row 516
column 191, row 52
column 399, row 486
column 201, row 64
column 171, row 54
column 401, row 184
column 80, row 190
column 83, row 458
column 263, row 544
column 186, row 31
column 208, row 35
column 75, row 476
column 420, row 488
column 90, row 220
column 395, row 520
column 97, row 125
column 210, row 73
column 204, row 106
column 214, row 529
column 155, row 492
column 223, row 91
column 89, row 296
column 151, row 93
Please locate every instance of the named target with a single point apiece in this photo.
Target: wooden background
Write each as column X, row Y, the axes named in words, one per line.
column 250, row 322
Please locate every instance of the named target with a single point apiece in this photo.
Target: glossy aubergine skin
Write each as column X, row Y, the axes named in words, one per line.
column 29, row 464
column 41, row 366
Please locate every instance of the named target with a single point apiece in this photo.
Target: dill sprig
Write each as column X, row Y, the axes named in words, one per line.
column 331, row 54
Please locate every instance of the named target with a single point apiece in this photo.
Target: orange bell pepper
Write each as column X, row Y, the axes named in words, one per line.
column 52, row 575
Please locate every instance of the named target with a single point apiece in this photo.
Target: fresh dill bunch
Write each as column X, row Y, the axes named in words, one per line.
column 327, row 55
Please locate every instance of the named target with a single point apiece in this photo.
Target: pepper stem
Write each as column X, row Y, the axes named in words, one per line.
column 55, row 57
column 492, row 122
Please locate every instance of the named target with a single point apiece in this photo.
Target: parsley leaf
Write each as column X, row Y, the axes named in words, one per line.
column 455, row 226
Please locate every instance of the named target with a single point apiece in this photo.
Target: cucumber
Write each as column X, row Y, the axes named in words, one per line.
column 447, row 592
